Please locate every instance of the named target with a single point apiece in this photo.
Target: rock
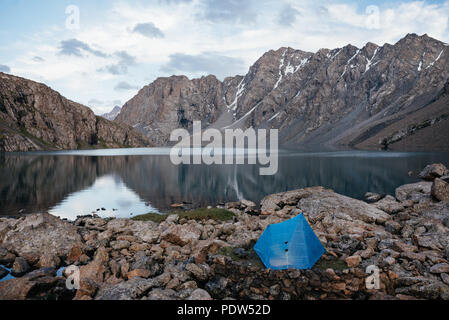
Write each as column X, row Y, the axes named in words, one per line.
column 120, row 244
column 161, row 295
column 393, row 227
column 49, row 261
column 445, row 278
column 181, row 234
column 353, row 261
column 129, row 290
column 19, row 267
column 415, row 191
column 75, row 254
column 389, row 205
column 440, row 190
column 371, row 197
column 6, row 257
column 16, row 289
column 440, row 268
column 3, row 272
column 200, row 272
column 141, row 273
column 433, row 171
column 234, row 205
column 41, row 233
column 200, row 295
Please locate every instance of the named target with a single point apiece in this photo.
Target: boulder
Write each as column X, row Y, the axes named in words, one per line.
column 440, row 190
column 20, row 267
column 415, row 191
column 181, row 234
column 433, row 171
column 440, row 268
column 39, row 234
column 389, row 205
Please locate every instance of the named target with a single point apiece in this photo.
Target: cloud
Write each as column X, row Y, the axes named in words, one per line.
column 287, row 16
column 117, row 102
column 74, row 47
column 148, row 30
column 38, row 59
column 125, row 86
column 208, row 62
column 228, row 11
column 121, row 67
column 4, row 68
column 95, row 102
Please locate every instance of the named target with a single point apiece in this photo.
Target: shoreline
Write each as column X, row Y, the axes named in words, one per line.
column 208, row 256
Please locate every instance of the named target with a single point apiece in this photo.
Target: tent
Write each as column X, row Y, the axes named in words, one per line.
column 289, row 245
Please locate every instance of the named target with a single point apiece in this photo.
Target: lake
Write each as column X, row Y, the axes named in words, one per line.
column 129, row 182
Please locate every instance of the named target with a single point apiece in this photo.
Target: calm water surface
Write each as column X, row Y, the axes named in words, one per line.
column 129, row 182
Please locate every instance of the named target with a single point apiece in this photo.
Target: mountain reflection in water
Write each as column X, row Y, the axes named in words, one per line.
column 135, row 181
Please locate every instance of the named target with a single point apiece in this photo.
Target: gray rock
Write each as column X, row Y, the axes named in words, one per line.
column 130, row 290
column 440, row 268
column 440, row 190
column 433, row 171
column 415, row 191
column 200, row 295
column 19, row 267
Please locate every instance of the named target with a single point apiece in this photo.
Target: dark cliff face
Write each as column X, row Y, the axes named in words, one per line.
column 343, row 96
column 35, row 117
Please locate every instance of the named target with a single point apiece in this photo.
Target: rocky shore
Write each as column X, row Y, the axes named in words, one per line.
column 406, row 236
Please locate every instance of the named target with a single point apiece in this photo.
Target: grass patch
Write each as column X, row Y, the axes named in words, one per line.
column 198, row 214
column 158, row 218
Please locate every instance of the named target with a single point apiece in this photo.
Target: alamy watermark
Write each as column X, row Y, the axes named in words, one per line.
column 373, row 281
column 239, row 146
column 72, row 21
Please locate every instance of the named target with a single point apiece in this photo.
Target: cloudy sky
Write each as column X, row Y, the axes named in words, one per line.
column 120, row 46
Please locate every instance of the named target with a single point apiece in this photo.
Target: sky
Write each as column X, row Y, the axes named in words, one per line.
column 101, row 52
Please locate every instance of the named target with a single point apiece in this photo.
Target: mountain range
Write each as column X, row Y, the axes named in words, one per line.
column 35, row 117
column 375, row 97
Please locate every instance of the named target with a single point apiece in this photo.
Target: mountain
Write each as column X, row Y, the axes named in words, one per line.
column 391, row 96
column 113, row 114
column 35, row 117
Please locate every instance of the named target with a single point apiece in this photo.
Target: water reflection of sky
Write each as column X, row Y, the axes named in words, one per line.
column 109, row 193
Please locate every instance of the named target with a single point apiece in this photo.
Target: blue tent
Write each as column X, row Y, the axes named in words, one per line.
column 289, row 245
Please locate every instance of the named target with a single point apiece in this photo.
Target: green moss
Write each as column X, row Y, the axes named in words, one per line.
column 206, row 214
column 229, row 252
column 151, row 217
column 198, row 214
column 335, row 264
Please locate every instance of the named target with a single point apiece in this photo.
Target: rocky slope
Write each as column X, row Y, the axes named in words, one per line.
column 113, row 114
column 405, row 236
column 34, row 117
column 344, row 96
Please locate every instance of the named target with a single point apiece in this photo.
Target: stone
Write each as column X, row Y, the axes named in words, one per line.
column 389, row 205
column 141, row 273
column 445, row 278
column 433, row 171
column 129, row 290
column 200, row 295
column 181, row 234
column 371, row 197
column 41, row 233
column 353, row 261
column 6, row 257
column 440, row 190
column 393, row 227
column 200, row 272
column 440, row 268
column 415, row 191
column 20, row 267
column 49, row 261
column 120, row 244
column 75, row 254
